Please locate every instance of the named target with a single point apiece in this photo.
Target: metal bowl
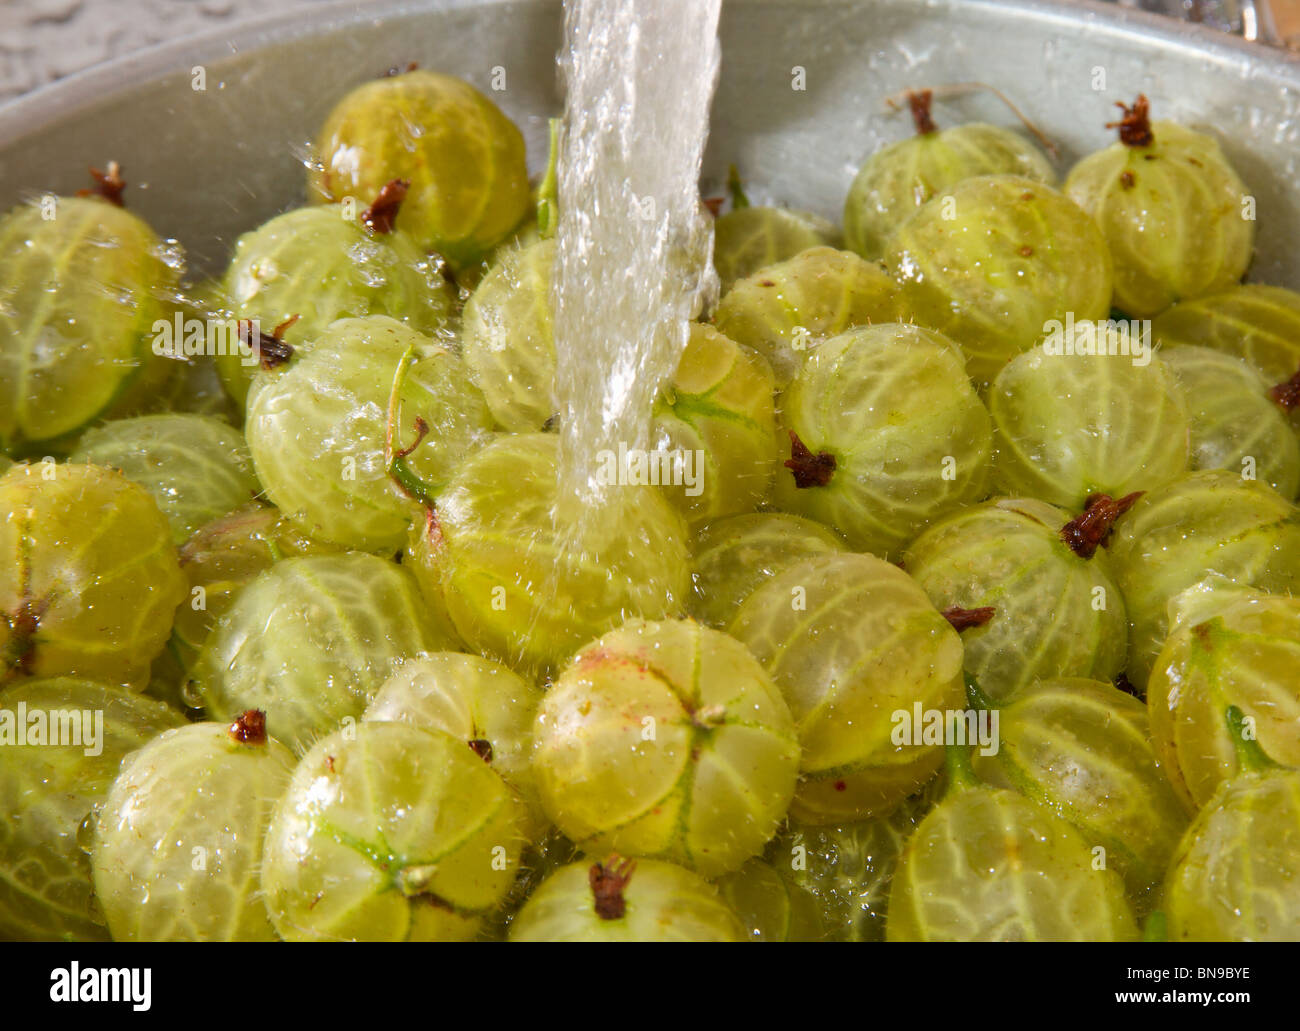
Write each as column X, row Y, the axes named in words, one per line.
column 205, row 165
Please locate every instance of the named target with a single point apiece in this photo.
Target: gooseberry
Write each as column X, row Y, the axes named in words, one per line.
column 197, row 468
column 48, row 791
column 993, row 260
column 642, row 900
column 732, row 556
column 1154, row 191
column 388, row 832
column 1073, row 424
column 318, row 429
column 897, row 179
column 463, row 159
column 311, row 640
column 785, row 310
column 668, row 740
column 852, row 641
column 886, row 434
column 89, row 578
column 178, row 842
column 1054, row 612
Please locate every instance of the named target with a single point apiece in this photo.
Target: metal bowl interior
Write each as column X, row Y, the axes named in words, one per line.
column 207, row 165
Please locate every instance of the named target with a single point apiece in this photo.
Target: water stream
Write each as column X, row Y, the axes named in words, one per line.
column 633, row 252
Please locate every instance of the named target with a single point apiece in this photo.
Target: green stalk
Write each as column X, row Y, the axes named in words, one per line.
column 1250, row 756
column 548, row 208
column 736, row 189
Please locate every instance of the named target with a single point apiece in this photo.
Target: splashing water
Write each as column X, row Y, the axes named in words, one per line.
column 633, row 260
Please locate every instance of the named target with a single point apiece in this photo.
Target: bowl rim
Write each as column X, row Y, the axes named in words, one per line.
column 39, row 108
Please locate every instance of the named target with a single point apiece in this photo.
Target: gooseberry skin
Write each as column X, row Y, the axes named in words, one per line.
column 848, row 868
column 664, row 902
column 317, row 429
column 910, row 437
column 1152, row 202
column 668, row 740
column 508, row 340
column 1048, row 620
column 479, row 701
column 89, row 578
column 785, row 310
column 48, row 792
column 989, row 865
column 195, row 467
column 896, row 180
column 1233, row 419
column 1070, row 426
column 316, row 264
column 1014, row 255
column 1081, row 749
column 1228, row 647
column 516, row 590
column 220, row 558
column 1234, row 877
column 311, row 640
column 732, row 556
column 388, row 832
column 463, row 158
column 892, row 649
column 720, row 407
column 747, row 239
column 1260, row 324
column 1209, row 523
column 771, row 905
column 79, row 296
column 192, row 788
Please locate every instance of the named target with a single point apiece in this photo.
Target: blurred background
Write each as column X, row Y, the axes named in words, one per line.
column 42, row 40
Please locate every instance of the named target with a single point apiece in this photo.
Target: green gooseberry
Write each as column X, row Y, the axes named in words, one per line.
column 1234, row 877
column 719, row 410
column 886, row 434
column 178, row 842
column 785, row 310
column 197, row 468
column 311, row 640
column 1234, row 423
column 1172, row 210
column 48, row 791
column 217, row 561
column 666, row 739
column 1228, row 646
column 83, row 285
column 897, row 179
column 1260, row 324
column 483, row 703
column 388, row 832
column 320, row 429
column 772, row 906
column 1082, row 748
column 321, row 264
column 1041, row 607
column 89, row 578
column 507, row 337
column 1211, row 523
column 1068, row 425
column 498, row 556
column 852, row 641
column 644, row 900
column 463, row 159
column 747, row 239
column 987, row 864
column 732, row 556
column 993, row 260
